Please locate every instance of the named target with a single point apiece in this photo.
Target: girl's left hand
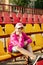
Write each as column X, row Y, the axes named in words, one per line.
column 25, row 43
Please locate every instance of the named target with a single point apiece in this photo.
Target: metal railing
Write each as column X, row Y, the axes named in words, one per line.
column 14, row 8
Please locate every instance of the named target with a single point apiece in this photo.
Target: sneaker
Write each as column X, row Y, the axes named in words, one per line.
column 35, row 61
column 29, row 61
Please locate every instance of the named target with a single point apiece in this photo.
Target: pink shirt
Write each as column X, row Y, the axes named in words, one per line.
column 16, row 40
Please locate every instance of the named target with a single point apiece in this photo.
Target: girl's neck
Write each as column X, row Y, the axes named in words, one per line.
column 18, row 33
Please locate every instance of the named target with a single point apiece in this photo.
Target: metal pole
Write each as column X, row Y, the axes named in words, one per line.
column 33, row 6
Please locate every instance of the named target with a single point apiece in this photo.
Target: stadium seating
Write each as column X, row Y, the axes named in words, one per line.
column 42, row 26
column 3, row 55
column 12, row 17
column 28, row 28
column 15, row 18
column 19, row 15
column 25, row 15
column 9, row 28
column 42, row 44
column 36, row 28
column 1, row 18
column 30, row 18
column 35, row 18
column 6, row 17
column 41, row 18
column 24, row 18
column 1, row 31
column 15, row 55
column 37, row 40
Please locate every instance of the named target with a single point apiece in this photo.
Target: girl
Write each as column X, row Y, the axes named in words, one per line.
column 20, row 42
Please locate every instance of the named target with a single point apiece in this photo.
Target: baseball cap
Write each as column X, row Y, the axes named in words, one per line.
column 19, row 25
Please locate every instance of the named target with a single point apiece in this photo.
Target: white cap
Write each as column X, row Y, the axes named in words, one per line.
column 19, row 25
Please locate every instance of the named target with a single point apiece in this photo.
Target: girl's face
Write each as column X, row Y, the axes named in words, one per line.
column 19, row 30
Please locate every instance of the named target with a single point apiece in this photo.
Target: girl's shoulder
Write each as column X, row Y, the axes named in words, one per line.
column 23, row 33
column 13, row 33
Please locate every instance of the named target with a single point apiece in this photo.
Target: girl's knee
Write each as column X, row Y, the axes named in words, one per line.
column 17, row 47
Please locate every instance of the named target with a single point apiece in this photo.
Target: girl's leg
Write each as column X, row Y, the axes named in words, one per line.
column 29, row 48
column 26, row 52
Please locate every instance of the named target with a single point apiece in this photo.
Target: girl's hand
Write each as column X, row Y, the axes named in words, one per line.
column 25, row 43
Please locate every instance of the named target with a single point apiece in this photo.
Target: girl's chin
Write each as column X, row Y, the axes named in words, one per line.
column 17, row 33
